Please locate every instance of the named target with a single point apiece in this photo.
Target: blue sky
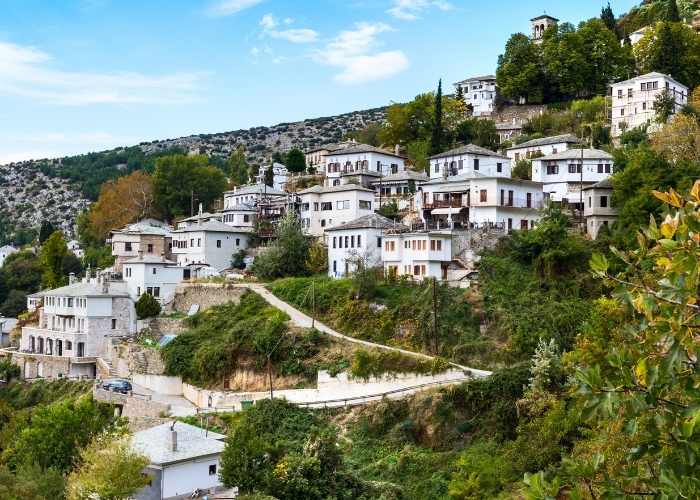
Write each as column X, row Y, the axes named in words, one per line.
column 86, row 75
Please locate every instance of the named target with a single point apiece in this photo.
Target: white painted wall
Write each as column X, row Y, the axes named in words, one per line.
column 565, row 184
column 202, row 247
column 340, row 162
column 345, row 246
column 481, row 94
column 161, row 384
column 139, row 277
column 418, row 255
column 184, row 478
column 462, row 164
column 517, row 153
column 315, row 221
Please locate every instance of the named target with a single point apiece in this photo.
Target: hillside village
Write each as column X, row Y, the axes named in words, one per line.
column 496, row 303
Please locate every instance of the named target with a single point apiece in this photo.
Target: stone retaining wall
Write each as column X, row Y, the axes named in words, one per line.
column 205, row 295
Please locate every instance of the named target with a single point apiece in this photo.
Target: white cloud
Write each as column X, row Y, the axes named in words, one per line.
column 230, row 7
column 269, row 25
column 27, row 72
column 410, row 10
column 351, row 51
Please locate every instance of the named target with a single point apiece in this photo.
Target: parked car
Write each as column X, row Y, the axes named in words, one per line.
column 117, row 385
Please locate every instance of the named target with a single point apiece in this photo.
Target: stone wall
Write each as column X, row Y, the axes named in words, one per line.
column 205, row 295
column 466, row 245
column 131, row 358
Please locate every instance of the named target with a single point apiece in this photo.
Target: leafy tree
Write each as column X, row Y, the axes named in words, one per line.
column 51, row 256
column 287, row 255
column 46, row 230
column 14, row 304
column 389, row 209
column 436, row 139
column 671, row 48
column 646, row 384
column 418, row 152
column 317, row 261
column 121, row 202
column 30, row 482
column 278, row 158
column 679, row 140
column 147, row 306
column 368, row 135
column 53, row 438
column 178, row 178
column 296, row 161
column 479, row 132
column 522, row 170
column 71, row 264
column 8, row 370
column 109, row 469
column 459, row 95
column 22, row 271
column 238, row 259
column 519, row 73
column 237, row 167
column 664, row 106
column 608, row 18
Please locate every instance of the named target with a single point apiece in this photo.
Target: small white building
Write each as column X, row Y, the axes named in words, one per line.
column 75, row 248
column 243, row 215
column 564, row 174
column 280, row 175
column 598, row 209
column 363, row 163
column 539, row 26
column 153, row 275
column 5, row 252
column 358, row 242
column 76, row 325
column 633, row 100
column 323, row 208
column 252, row 194
column 541, row 147
column 636, row 36
column 480, row 93
column 207, row 241
column 399, row 187
column 417, row 254
column 466, row 160
column 182, row 458
column 6, row 327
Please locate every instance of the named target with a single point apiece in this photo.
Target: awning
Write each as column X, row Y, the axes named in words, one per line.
column 446, row 211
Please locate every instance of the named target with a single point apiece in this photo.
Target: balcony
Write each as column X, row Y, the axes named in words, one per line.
column 455, row 203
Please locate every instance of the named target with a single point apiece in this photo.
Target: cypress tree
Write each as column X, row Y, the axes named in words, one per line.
column 672, row 14
column 667, row 53
column 608, row 18
column 436, row 139
column 460, row 94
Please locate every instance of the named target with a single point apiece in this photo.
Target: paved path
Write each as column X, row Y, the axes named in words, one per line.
column 179, row 406
column 304, row 321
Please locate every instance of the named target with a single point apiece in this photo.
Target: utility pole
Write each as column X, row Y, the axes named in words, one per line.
column 435, row 316
column 269, row 372
column 192, row 203
column 313, row 303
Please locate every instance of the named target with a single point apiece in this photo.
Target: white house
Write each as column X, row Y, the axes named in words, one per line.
column 362, row 162
column 469, row 159
column 182, row 458
column 399, row 187
column 480, row 93
column 153, row 275
column 322, row 208
column 208, row 242
column 75, row 248
column 598, row 209
column 280, row 174
column 76, row 323
column 316, row 157
column 417, row 254
column 5, row 252
column 636, row 36
column 356, row 242
column 541, row 147
column 252, row 194
column 564, row 174
column 539, row 25
column 242, row 215
column 633, row 100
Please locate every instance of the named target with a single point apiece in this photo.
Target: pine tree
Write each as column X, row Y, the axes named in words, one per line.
column 672, row 14
column 667, row 53
column 437, row 137
column 608, row 18
column 460, row 94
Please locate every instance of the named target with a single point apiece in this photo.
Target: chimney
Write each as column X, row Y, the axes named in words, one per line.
column 397, row 150
column 71, row 278
column 173, row 440
column 140, row 254
column 200, row 209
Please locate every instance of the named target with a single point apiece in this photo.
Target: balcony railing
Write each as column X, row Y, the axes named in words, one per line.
column 444, row 204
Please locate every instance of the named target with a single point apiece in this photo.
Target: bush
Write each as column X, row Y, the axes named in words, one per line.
column 367, row 364
column 8, row 370
column 147, row 306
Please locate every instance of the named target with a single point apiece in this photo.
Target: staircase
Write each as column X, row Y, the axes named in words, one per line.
column 105, row 366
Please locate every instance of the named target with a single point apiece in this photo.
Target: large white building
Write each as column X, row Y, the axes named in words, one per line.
column 182, row 458
column 417, row 254
column 541, row 147
column 598, row 209
column 280, row 175
column 633, row 100
column 76, row 323
column 480, row 92
column 204, row 240
column 326, row 207
column 153, row 275
column 466, row 160
column 358, row 242
column 5, row 252
column 564, row 174
column 362, row 163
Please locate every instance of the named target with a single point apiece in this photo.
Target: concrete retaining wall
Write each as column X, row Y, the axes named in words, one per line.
column 161, row 384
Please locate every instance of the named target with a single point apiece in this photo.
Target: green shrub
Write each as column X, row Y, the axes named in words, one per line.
column 367, row 364
column 8, row 370
column 147, row 306
column 482, row 471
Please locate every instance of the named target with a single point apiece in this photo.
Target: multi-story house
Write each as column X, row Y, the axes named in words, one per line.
column 252, row 194
column 598, row 209
column 322, row 208
column 633, row 100
column 153, row 275
column 541, row 147
column 242, row 215
column 206, row 241
column 539, row 26
column 149, row 236
column 356, row 243
column 316, row 157
column 399, row 187
column 466, row 160
column 5, row 252
column 564, row 174
column 361, row 164
column 76, row 326
column 417, row 254
column 480, row 92
column 280, row 175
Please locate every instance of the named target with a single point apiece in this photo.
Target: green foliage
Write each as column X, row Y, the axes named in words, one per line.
column 30, row 482
column 237, row 167
column 269, row 177
column 367, row 364
column 519, row 73
column 479, row 132
column 178, row 177
column 581, row 117
column 238, row 259
column 522, row 170
column 482, row 472
column 8, row 370
column 147, row 306
column 53, row 251
column 15, row 303
column 664, row 106
column 367, row 135
column 296, row 161
column 437, row 139
column 608, row 18
column 287, row 255
column 389, row 209
column 46, row 230
column 673, row 49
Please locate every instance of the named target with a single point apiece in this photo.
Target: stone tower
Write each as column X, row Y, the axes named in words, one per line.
column 540, row 24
